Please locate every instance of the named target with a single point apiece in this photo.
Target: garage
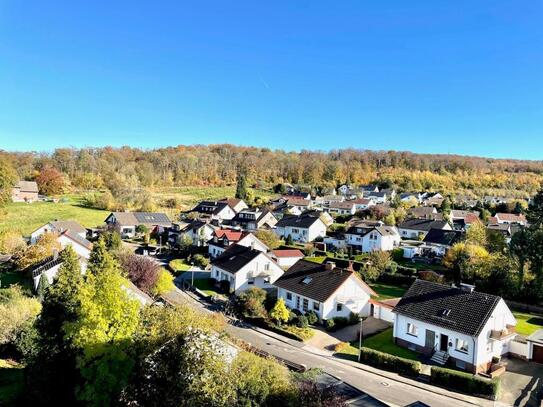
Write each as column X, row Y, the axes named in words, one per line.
column 537, row 355
column 535, row 346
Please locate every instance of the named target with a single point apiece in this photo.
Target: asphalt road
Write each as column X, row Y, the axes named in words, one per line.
column 382, row 387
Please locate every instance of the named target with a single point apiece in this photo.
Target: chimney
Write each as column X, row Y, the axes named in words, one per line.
column 350, row 266
column 55, row 254
column 330, row 265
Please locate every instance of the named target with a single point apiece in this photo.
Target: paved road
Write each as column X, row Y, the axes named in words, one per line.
column 386, row 387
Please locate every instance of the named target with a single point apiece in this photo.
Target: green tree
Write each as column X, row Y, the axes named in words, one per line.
column 269, row 238
column 112, row 240
column 534, row 214
column 446, row 207
column 16, row 311
column 184, row 242
column 164, row 283
column 100, row 258
column 241, row 186
column 43, row 286
column 476, row 234
column 252, row 302
column 8, row 178
column 279, row 312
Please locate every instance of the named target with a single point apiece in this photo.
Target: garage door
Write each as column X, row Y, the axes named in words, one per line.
column 537, row 355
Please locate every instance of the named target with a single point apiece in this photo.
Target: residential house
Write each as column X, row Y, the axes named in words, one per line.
column 236, row 204
column 462, row 220
column 433, row 199
column 506, row 229
column 495, row 200
column 414, row 197
column 126, row 222
column 363, row 204
column 216, row 210
column 341, row 208
column 456, row 325
column 441, row 240
column 328, row 200
column 327, row 290
column 418, row 228
column 25, row 191
column 535, row 346
column 424, row 212
column 378, row 197
column 509, row 218
column 199, row 231
column 335, row 240
column 244, row 267
column 367, row 189
column 254, row 219
column 58, row 226
column 222, row 239
column 303, row 228
column 379, row 238
column 286, row 257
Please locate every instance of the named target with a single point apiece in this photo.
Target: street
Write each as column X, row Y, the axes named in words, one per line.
column 387, row 387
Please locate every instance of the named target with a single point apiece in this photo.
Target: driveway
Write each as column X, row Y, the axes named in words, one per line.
column 327, row 340
column 522, row 383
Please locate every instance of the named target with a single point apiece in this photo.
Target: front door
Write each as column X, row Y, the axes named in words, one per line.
column 430, row 339
column 537, row 354
column 444, row 344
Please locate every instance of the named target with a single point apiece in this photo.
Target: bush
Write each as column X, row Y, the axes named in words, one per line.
column 353, row 318
column 200, row 261
column 396, row 279
column 251, row 302
column 330, row 325
column 341, row 347
column 406, row 271
column 302, row 322
column 389, row 362
column 465, row 382
column 164, row 283
column 312, row 317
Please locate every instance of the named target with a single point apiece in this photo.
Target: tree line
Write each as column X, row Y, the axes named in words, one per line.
column 119, row 169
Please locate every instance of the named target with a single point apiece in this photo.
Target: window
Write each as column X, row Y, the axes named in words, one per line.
column 298, row 302
column 462, row 345
column 316, row 305
column 250, row 281
column 412, row 329
column 339, row 307
column 305, row 304
column 294, row 230
column 289, row 296
column 267, row 266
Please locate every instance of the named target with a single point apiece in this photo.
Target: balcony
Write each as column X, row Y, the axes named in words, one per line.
column 507, row 332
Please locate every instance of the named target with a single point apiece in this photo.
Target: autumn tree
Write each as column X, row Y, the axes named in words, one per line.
column 477, row 234
column 46, row 246
column 269, row 238
column 279, row 312
column 11, row 242
column 141, row 270
column 16, row 311
column 50, row 181
column 8, row 178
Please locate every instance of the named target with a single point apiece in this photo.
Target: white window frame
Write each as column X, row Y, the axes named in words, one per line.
column 412, row 329
column 289, row 296
column 462, row 345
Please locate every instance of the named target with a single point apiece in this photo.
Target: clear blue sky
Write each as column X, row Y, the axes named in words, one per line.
column 426, row 76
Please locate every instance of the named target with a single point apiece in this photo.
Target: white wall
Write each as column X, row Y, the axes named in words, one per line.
column 79, row 250
column 305, row 235
column 383, row 313
column 519, row 348
column 286, row 262
column 252, row 241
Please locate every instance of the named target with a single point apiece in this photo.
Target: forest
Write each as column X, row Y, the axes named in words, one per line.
column 125, row 168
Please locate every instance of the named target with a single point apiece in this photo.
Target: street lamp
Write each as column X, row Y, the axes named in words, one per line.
column 360, row 339
column 192, row 272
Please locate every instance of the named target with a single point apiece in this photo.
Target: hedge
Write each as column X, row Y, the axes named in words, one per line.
column 298, row 334
column 465, row 382
column 396, row 279
column 391, row 363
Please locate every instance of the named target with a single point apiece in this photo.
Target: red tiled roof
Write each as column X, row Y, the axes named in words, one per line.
column 389, row 303
column 470, row 218
column 298, row 201
column 511, row 217
column 288, row 253
column 232, row 235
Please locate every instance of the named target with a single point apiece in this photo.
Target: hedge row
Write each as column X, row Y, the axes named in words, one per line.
column 465, row 382
column 262, row 323
column 396, row 279
column 391, row 363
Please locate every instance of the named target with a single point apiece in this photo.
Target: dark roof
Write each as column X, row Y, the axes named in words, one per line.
column 78, row 239
column 72, row 225
column 210, row 207
column 422, row 224
column 141, row 218
column 313, row 280
column 444, row 237
column 235, row 257
column 249, row 215
column 302, row 221
column 447, row 307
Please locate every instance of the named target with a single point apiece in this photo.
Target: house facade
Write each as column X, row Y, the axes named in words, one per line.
column 418, row 228
column 454, row 325
column 126, row 222
column 286, row 257
column 58, row 227
column 245, row 267
column 327, row 290
column 303, row 228
column 25, row 191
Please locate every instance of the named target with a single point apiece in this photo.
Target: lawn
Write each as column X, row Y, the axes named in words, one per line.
column 189, row 196
column 383, row 342
column 11, row 381
column 386, row 291
column 179, row 266
column 527, row 324
column 26, row 218
column 204, row 285
column 9, row 278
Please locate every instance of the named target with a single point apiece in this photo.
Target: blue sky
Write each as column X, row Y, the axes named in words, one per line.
column 460, row 77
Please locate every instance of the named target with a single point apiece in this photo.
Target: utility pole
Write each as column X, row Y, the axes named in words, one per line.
column 360, row 339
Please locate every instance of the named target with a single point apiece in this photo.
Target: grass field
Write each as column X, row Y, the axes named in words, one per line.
column 527, row 324
column 204, row 285
column 25, row 218
column 386, row 291
column 11, row 382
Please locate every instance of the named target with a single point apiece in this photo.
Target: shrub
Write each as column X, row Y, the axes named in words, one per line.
column 302, row 322
column 200, row 261
column 396, row 279
column 164, row 283
column 389, row 362
column 465, row 382
column 251, row 302
column 291, row 316
column 312, row 317
column 353, row 318
column 330, row 325
column 143, row 271
column 341, row 347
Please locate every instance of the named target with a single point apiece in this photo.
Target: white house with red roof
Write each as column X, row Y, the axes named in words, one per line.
column 286, row 257
column 509, row 218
